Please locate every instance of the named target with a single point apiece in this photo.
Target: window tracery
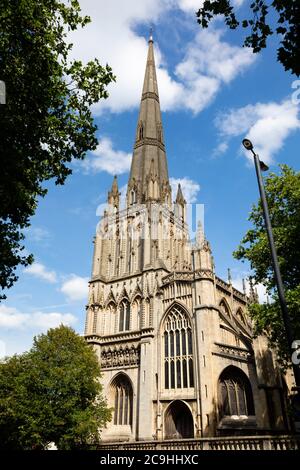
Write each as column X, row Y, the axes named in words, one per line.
column 178, row 350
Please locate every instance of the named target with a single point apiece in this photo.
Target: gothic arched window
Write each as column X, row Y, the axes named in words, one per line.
column 240, row 315
column 136, row 314
column 224, row 308
column 109, row 318
column 123, row 399
column 178, row 350
column 235, row 393
column 124, row 318
column 132, row 197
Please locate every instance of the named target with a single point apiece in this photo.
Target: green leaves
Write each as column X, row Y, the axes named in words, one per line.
column 287, row 14
column 52, row 394
column 283, row 195
column 217, row 7
column 47, row 119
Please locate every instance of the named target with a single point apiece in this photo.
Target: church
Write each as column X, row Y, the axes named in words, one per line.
column 175, row 345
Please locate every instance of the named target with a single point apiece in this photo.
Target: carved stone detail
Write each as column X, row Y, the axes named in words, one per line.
column 119, row 357
column 150, row 94
column 240, row 353
column 150, row 141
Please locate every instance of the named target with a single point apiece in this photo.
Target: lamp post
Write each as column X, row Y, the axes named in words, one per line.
column 2, row 92
column 259, row 167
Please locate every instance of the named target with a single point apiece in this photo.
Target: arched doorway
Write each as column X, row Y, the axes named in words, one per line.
column 179, row 422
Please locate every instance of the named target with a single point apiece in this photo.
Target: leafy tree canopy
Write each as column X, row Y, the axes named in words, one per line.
column 261, row 24
column 283, row 195
column 46, row 121
column 52, row 394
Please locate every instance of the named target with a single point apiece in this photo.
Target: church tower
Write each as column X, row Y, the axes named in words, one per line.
column 174, row 341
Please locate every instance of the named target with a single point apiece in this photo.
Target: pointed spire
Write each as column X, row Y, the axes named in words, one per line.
column 229, row 276
column 149, row 151
column 150, row 79
column 179, row 198
column 114, row 186
column 113, row 197
column 253, row 296
column 151, row 34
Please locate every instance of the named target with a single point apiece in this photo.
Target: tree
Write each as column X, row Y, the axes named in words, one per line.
column 46, row 121
column 52, row 394
column 283, row 195
column 260, row 26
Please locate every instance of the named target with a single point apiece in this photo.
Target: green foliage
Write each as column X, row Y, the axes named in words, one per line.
column 287, row 13
column 52, row 394
column 283, row 195
column 47, row 120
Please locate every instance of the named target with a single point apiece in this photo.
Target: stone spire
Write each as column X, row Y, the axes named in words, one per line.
column 113, row 197
column 179, row 198
column 253, row 295
column 180, row 202
column 244, row 286
column 148, row 180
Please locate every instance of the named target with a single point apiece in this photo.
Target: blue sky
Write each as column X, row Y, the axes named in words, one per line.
column 213, row 93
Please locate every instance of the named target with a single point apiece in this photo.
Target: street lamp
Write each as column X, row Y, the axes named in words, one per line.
column 259, row 167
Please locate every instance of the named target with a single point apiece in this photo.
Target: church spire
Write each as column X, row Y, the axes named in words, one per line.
column 179, row 198
column 113, row 197
column 148, row 178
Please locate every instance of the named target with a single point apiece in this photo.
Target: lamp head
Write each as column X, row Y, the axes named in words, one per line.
column 247, row 144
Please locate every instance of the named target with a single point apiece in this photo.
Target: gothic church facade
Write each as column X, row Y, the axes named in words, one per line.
column 174, row 341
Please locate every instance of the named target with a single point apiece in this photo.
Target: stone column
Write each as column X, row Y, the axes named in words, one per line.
column 206, row 318
column 145, row 408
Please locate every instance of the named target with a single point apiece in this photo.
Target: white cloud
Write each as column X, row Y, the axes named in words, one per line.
column 220, row 149
column 236, row 121
column 208, row 61
column 37, row 234
column 106, row 158
column 267, row 125
column 53, row 319
column 110, row 37
column 211, row 56
column 75, row 288
column 190, row 5
column 40, row 271
column 12, row 318
column 189, row 188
